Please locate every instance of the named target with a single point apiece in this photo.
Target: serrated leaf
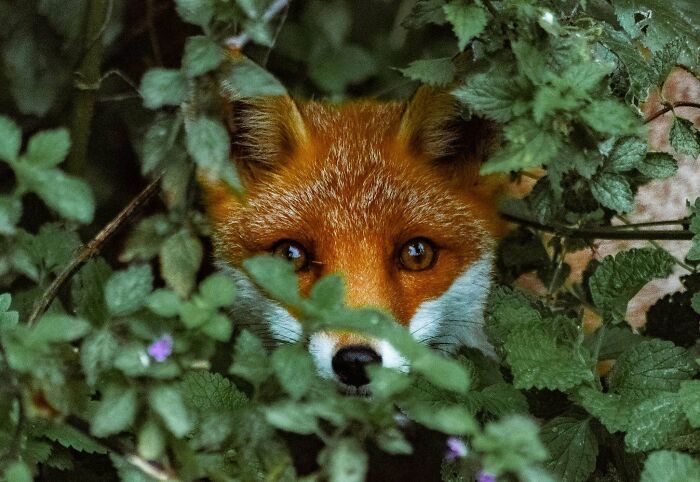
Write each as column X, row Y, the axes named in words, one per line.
column 161, row 87
column 294, row 369
column 613, row 191
column 572, row 446
column 619, row 278
column 48, row 148
column 689, row 394
column 611, row 117
column 115, row 412
column 180, row 258
column 71, row 197
column 70, row 437
column 276, row 276
column 97, row 353
column 442, row 372
column 244, row 79
column 208, row 143
column 493, row 95
column 208, row 391
column 167, row 402
column 627, row 154
column 529, row 146
column 87, row 291
column 651, row 367
column 610, row 409
column 250, row 360
column 658, row 165
column 435, row 72
column 157, row 141
column 425, row 12
column 654, row 422
column 537, row 360
column 667, row 466
column 508, row 308
column 685, row 138
column 202, row 54
column 126, row 291
column 198, row 12
column 531, row 61
column 468, row 21
column 10, row 139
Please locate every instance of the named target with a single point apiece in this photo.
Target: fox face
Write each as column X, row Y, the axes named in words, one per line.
column 385, row 194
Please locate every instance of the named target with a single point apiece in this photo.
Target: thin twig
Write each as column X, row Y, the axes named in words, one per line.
column 92, row 248
column 238, row 41
column 602, row 233
column 670, row 107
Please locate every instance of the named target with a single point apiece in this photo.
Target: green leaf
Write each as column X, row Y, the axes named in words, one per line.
column 393, row 441
column 627, row 154
column 167, row 402
column 146, row 238
column 572, row 446
column 452, row 419
column 291, row 417
column 151, row 440
column 507, row 308
column 442, row 372
column 613, row 191
column 97, row 353
column 244, row 79
column 10, row 214
column 658, row 165
column 695, row 302
column 158, row 141
column 509, row 444
column 537, row 360
column 294, row 369
column 619, row 278
column 87, row 291
column 435, row 72
column 531, row 61
column 387, row 382
column 611, row 117
column 48, row 148
column 208, row 143
column 218, row 327
column 667, row 466
column 494, row 95
column 425, row 12
column 333, row 69
column 161, row 87
column 115, row 412
column 71, row 197
column 198, row 12
column 529, row 146
column 218, row 290
column 17, row 471
column 180, row 258
column 654, row 422
column 53, row 328
column 276, row 276
column 250, row 360
column 328, row 293
column 689, row 394
column 202, row 54
column 468, row 21
column 609, row 408
column 211, row 392
column 164, row 302
column 70, row 437
column 685, row 138
column 10, row 139
column 347, row 462
column 651, row 367
column 126, row 291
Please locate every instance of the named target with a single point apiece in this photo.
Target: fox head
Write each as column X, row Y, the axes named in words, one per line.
column 387, row 194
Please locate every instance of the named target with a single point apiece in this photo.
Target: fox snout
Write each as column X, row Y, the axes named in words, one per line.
column 350, row 364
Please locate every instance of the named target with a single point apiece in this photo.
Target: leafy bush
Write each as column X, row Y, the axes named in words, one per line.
column 144, row 369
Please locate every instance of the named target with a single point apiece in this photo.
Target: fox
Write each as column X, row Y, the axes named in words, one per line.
column 387, row 194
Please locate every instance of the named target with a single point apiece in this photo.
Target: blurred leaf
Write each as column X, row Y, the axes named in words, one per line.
column 250, row 360
column 244, row 79
column 218, row 290
column 202, row 54
column 10, row 214
column 208, row 391
column 161, row 87
column 167, row 402
column 689, row 394
column 667, row 466
column 291, row 417
column 10, row 139
column 611, row 117
column 53, row 328
column 180, row 258
column 334, row 69
column 97, row 353
column 347, row 462
column 198, row 12
column 294, row 369
column 275, row 275
column 48, row 148
column 126, row 291
column 425, row 12
column 208, row 143
column 164, row 302
column 115, row 412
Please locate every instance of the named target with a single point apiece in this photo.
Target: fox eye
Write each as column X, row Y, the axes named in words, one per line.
column 292, row 251
column 417, row 254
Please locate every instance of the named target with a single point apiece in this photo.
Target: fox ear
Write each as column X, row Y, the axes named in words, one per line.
column 264, row 133
column 432, row 127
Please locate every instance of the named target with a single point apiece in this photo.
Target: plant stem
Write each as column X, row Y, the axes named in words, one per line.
column 238, row 42
column 92, row 248
column 87, row 85
column 670, row 107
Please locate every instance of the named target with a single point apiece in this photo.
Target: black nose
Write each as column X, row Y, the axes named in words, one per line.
column 350, row 362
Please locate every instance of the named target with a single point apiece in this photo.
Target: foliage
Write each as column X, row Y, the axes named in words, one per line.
column 135, row 370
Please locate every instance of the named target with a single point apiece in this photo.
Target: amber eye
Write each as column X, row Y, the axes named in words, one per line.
column 417, row 254
column 292, row 251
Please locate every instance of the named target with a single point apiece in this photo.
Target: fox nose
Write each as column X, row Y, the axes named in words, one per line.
column 349, row 364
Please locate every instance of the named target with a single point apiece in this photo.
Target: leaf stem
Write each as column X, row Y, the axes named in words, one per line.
column 669, row 107
column 92, row 248
column 239, row 41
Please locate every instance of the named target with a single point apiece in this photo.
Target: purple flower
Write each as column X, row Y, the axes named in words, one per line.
column 456, row 449
column 161, row 348
column 485, row 477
